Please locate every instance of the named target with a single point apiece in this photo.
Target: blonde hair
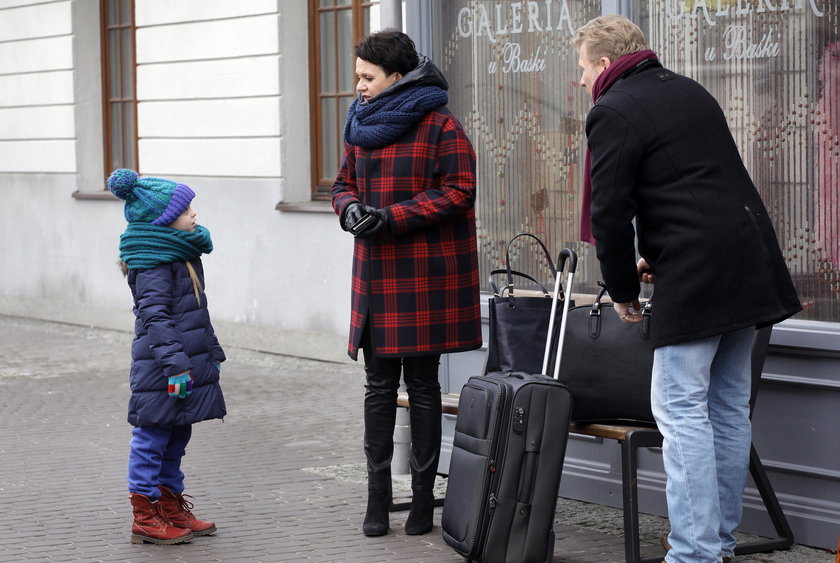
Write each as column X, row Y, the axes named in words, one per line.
column 195, row 282
column 609, row 36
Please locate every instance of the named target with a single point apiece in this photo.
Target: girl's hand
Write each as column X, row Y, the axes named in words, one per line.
column 181, row 385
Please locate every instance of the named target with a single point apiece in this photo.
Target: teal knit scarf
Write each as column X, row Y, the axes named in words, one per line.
column 144, row 246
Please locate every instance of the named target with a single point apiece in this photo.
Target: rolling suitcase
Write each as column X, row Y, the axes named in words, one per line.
column 507, row 457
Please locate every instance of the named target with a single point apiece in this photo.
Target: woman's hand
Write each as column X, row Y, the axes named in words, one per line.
column 351, row 216
column 381, row 224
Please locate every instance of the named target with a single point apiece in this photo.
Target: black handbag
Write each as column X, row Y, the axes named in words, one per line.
column 518, row 325
column 607, row 363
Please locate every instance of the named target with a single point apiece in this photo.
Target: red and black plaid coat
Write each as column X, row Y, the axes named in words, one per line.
column 417, row 285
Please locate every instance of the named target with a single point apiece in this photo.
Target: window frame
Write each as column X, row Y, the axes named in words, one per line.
column 107, row 99
column 321, row 183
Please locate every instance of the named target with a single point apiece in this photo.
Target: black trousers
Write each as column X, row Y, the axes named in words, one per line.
column 383, row 381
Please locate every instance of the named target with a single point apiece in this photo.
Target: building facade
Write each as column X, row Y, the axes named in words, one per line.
column 244, row 102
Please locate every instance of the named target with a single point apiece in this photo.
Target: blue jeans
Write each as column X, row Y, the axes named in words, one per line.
column 155, row 459
column 700, row 394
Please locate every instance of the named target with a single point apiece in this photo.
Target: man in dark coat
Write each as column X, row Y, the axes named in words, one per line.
column 409, row 171
column 660, row 152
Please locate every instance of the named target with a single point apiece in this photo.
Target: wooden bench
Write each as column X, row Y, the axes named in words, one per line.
column 631, row 438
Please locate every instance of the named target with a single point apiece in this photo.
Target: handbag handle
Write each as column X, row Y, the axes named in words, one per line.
column 595, row 314
column 507, row 259
column 497, row 293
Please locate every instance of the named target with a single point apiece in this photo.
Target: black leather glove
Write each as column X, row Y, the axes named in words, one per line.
column 381, row 224
column 352, row 214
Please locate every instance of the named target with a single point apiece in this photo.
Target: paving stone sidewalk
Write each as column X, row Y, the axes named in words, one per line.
column 280, row 476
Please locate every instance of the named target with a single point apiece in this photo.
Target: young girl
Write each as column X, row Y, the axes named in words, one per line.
column 175, row 357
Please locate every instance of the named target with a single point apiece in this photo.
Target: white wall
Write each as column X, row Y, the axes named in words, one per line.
column 218, row 111
column 36, row 95
column 208, row 131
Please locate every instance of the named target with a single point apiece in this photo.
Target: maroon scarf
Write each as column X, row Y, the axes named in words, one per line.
column 606, row 79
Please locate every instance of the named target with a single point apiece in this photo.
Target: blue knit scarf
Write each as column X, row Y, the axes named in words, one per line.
column 144, row 246
column 383, row 120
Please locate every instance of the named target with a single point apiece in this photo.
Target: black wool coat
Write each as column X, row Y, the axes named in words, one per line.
column 662, row 153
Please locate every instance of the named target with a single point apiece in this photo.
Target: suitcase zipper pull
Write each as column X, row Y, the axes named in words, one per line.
column 493, row 502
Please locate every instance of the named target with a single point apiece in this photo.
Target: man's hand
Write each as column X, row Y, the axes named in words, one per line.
column 645, row 272
column 630, row 312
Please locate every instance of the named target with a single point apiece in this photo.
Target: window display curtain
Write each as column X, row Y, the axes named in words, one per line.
column 776, row 73
column 773, row 66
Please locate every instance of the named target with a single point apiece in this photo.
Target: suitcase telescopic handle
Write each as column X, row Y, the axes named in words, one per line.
column 571, row 256
column 566, row 255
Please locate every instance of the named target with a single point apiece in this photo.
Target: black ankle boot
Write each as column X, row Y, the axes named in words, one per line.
column 376, row 517
column 422, row 513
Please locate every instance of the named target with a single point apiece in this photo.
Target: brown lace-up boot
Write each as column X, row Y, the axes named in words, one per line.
column 150, row 526
column 177, row 510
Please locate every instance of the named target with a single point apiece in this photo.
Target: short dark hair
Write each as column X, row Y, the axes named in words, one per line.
column 393, row 50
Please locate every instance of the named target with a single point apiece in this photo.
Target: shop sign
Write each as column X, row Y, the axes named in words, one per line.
column 501, row 21
column 738, row 41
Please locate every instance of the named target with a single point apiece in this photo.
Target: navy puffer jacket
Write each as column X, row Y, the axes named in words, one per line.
column 173, row 334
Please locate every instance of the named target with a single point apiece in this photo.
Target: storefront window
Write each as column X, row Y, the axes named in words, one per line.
column 774, row 66
column 513, row 77
column 775, row 69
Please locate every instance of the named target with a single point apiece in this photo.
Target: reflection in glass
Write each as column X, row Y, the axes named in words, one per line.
column 114, row 63
column 116, row 136
column 329, row 137
column 343, row 105
column 372, row 19
column 328, row 52
column 127, row 61
column 346, row 60
column 126, row 15
column 129, row 155
column 112, row 12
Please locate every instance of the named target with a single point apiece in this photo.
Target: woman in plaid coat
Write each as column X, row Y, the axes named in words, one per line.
column 409, row 172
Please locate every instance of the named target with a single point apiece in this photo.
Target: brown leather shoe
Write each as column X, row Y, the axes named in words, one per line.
column 177, row 509
column 663, row 539
column 150, row 526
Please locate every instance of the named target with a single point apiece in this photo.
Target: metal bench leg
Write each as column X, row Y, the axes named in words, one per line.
column 774, row 510
column 632, row 544
column 629, row 460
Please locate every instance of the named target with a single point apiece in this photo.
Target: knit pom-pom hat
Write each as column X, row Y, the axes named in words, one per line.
column 150, row 200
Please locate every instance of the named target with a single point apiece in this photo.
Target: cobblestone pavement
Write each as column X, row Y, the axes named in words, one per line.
column 270, row 476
